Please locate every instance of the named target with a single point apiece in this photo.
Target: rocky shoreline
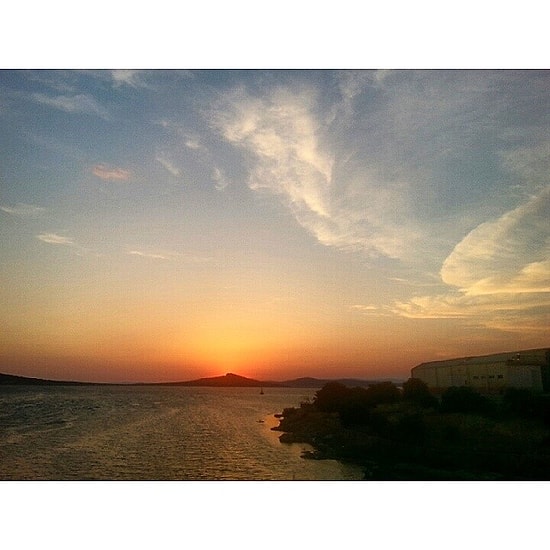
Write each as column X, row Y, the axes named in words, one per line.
column 403, row 441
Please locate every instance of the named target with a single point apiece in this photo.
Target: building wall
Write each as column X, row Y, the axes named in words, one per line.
column 525, row 376
column 490, row 373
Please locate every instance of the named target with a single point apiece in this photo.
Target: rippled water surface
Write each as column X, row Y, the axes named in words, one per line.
column 152, row 433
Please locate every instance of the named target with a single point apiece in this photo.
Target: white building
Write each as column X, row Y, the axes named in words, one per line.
column 528, row 369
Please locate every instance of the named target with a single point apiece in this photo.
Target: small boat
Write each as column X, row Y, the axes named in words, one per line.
column 261, row 391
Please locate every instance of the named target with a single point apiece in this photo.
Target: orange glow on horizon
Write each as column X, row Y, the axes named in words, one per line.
column 228, row 347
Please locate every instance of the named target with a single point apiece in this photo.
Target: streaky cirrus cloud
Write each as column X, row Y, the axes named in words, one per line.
column 498, row 275
column 151, row 255
column 193, row 143
column 169, row 255
column 106, row 172
column 509, row 255
column 79, row 104
column 59, row 80
column 503, row 312
column 220, row 178
column 23, row 210
column 54, row 238
column 530, row 163
column 368, row 309
column 167, row 164
column 189, row 139
column 288, row 143
column 128, row 77
column 280, row 131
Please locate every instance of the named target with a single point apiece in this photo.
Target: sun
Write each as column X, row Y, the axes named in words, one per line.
column 228, row 349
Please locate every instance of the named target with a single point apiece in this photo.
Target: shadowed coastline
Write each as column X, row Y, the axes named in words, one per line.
column 228, row 380
column 412, row 435
column 13, row 380
column 403, row 432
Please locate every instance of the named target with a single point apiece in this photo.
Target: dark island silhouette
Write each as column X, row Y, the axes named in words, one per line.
column 228, row 380
column 14, row 380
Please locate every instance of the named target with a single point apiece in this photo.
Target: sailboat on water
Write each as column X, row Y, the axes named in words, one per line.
column 261, row 391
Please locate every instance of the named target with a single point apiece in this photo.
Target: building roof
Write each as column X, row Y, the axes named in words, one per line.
column 531, row 356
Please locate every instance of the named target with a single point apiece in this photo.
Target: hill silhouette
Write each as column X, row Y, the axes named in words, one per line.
column 229, row 380
column 13, row 380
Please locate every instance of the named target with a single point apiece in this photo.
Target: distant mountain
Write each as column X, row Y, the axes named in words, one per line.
column 236, row 381
column 12, row 380
column 230, row 380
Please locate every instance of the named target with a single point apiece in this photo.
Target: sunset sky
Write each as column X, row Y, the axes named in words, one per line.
column 168, row 225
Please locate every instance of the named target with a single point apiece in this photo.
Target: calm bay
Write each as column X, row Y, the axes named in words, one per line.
column 153, row 433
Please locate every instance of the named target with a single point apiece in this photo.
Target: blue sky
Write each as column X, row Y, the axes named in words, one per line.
column 166, row 224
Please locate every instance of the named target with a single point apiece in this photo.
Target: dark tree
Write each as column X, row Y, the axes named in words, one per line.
column 521, row 402
column 416, row 391
column 411, row 428
column 356, row 410
column 463, row 399
column 383, row 392
column 331, row 397
column 355, row 405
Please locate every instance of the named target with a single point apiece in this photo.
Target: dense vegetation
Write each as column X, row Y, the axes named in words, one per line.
column 409, row 434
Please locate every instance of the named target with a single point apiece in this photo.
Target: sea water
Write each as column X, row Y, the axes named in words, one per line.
column 153, row 433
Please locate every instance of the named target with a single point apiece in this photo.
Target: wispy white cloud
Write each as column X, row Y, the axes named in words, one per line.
column 181, row 144
column 505, row 312
column 54, row 238
column 498, row 275
column 60, row 81
column 534, row 321
column 531, row 164
column 280, row 132
column 190, row 139
column 151, row 255
column 287, row 142
column 350, row 84
column 79, row 103
column 508, row 255
column 220, row 178
column 129, row 77
column 392, row 163
column 163, row 122
column 62, row 240
column 106, row 172
column 23, row 210
column 366, row 309
column 168, row 164
column 169, row 255
column 193, row 143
